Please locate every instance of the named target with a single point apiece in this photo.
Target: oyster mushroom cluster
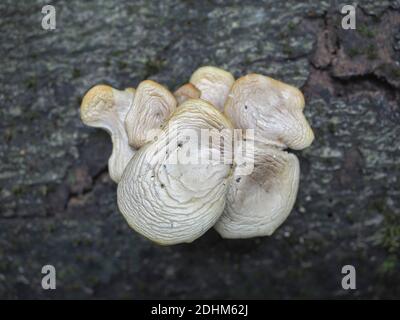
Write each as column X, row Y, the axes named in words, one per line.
column 169, row 198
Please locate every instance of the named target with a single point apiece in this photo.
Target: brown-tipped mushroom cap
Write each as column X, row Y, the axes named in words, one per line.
column 186, row 92
column 273, row 108
column 166, row 199
column 214, row 85
column 153, row 104
column 260, row 202
column 105, row 107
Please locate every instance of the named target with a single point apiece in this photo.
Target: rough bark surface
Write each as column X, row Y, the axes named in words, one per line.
column 58, row 204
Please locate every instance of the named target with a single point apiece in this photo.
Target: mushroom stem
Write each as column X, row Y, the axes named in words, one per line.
column 121, row 154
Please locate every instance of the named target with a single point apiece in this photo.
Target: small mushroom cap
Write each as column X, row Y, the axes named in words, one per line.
column 214, row 85
column 273, row 108
column 257, row 204
column 105, row 107
column 152, row 106
column 102, row 102
column 96, row 104
column 165, row 199
column 186, row 92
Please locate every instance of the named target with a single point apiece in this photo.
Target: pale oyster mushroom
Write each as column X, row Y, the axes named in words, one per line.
column 105, row 107
column 214, row 85
column 170, row 199
column 272, row 108
column 166, row 199
column 258, row 203
column 152, row 106
column 186, row 92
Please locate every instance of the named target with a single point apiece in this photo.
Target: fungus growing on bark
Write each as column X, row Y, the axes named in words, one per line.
column 170, row 197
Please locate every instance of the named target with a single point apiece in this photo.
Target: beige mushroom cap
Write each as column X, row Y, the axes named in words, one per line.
column 170, row 201
column 214, row 85
column 273, row 108
column 257, row 204
column 105, row 107
column 186, row 92
column 152, row 106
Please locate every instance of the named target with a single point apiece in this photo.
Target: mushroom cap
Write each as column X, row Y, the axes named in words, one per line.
column 214, row 85
column 105, row 107
column 170, row 201
column 186, row 92
column 102, row 103
column 97, row 104
column 258, row 203
column 152, row 106
column 273, row 108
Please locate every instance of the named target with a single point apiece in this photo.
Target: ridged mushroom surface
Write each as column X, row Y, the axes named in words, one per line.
column 214, row 85
column 166, row 198
column 260, row 202
column 272, row 108
column 152, row 106
column 186, row 92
